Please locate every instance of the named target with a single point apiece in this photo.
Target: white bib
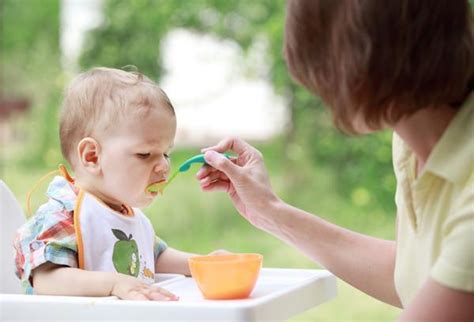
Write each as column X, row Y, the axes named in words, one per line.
column 108, row 241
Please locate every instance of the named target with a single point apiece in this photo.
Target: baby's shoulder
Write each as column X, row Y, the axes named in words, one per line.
column 145, row 221
column 48, row 217
column 140, row 215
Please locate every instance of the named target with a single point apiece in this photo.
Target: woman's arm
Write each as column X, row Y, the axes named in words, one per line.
column 435, row 302
column 51, row 279
column 366, row 263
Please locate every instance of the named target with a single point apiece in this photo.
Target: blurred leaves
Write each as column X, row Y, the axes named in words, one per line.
column 133, row 30
column 30, row 69
column 345, row 179
column 29, row 46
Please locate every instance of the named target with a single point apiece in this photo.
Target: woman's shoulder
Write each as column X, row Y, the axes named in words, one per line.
column 465, row 194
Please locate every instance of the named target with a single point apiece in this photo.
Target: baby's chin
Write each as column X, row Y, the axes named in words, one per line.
column 143, row 203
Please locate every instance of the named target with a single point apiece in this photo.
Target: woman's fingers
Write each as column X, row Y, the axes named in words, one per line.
column 205, row 171
column 213, row 176
column 217, row 186
column 230, row 143
column 244, row 177
column 217, row 163
column 223, row 164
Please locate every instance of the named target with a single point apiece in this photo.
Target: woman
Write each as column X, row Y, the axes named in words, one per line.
column 400, row 64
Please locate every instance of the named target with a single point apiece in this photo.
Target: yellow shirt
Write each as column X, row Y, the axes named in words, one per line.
column 435, row 211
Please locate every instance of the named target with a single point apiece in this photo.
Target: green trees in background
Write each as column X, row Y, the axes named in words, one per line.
column 359, row 168
column 30, row 68
column 312, row 165
column 132, row 33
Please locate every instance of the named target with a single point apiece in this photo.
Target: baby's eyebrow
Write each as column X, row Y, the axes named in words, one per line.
column 153, row 144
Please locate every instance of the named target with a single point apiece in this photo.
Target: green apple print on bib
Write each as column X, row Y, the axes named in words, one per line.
column 125, row 256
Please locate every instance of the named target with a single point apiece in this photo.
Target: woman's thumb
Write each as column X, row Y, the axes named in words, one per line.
column 221, row 163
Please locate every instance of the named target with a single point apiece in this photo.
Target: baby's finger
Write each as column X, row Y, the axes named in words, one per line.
column 156, row 295
column 164, row 292
column 135, row 295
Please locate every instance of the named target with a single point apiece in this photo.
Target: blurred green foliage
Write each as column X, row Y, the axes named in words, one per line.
column 132, row 33
column 197, row 222
column 30, row 69
column 347, row 180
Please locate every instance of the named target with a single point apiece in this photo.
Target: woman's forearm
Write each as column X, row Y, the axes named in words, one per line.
column 49, row 279
column 365, row 262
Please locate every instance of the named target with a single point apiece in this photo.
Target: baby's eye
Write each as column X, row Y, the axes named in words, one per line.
column 166, row 155
column 143, row 155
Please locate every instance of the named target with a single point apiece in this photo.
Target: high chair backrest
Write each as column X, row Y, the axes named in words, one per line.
column 11, row 218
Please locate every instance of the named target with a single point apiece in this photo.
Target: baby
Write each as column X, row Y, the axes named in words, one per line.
column 90, row 238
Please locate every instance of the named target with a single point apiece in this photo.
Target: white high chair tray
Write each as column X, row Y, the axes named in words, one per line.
column 278, row 295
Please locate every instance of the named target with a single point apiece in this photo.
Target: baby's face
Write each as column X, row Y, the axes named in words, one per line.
column 134, row 154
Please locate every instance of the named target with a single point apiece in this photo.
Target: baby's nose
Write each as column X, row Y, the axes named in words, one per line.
column 158, row 168
column 162, row 166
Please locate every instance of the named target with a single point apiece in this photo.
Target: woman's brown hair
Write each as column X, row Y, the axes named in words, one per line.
column 381, row 60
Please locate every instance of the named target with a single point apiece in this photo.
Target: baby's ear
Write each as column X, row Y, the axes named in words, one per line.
column 88, row 151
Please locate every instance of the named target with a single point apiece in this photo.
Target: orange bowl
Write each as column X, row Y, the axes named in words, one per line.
column 226, row 277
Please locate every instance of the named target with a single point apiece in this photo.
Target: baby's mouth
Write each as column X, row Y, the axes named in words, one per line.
column 156, row 187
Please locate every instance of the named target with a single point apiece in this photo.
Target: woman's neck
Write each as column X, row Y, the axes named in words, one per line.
column 422, row 130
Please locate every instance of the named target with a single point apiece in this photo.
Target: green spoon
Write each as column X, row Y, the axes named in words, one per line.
column 160, row 186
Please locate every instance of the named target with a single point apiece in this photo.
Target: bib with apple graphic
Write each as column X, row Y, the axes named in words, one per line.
column 109, row 241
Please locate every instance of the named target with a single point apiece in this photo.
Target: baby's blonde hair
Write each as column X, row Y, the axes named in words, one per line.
column 98, row 98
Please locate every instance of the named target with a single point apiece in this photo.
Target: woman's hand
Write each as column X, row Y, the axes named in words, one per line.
column 130, row 288
column 244, row 178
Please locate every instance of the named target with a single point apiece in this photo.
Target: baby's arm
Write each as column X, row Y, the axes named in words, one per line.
column 176, row 261
column 173, row 261
column 51, row 279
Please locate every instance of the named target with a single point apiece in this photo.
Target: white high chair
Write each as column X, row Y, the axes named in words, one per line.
column 11, row 217
column 278, row 295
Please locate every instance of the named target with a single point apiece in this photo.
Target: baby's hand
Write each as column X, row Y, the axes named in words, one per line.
column 220, row 252
column 130, row 288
